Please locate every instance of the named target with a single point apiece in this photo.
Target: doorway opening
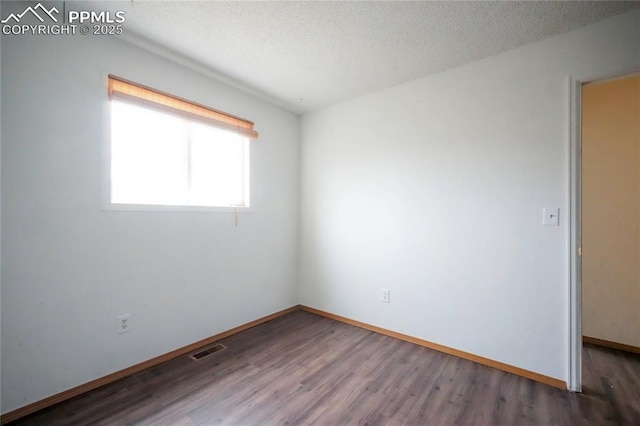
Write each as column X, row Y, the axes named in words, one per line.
column 604, row 231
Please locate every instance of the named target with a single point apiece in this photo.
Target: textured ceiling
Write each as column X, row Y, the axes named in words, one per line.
column 307, row 55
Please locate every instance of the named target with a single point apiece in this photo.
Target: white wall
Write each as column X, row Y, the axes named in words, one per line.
column 434, row 189
column 69, row 268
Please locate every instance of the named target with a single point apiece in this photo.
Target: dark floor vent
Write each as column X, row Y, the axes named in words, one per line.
column 207, row 351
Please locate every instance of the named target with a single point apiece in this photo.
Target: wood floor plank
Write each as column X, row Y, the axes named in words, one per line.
column 302, row 369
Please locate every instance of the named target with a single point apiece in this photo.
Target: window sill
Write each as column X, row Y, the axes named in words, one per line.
column 174, row 209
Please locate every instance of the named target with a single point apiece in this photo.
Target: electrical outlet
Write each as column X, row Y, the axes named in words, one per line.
column 384, row 295
column 124, row 323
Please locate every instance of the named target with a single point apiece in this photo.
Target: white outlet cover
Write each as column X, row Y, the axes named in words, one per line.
column 384, row 295
column 124, row 323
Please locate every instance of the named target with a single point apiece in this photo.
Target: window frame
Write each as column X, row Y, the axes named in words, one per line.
column 108, row 205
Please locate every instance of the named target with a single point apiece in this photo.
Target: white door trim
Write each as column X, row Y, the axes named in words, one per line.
column 574, row 347
column 574, row 350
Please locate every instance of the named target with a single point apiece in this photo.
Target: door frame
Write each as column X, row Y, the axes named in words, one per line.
column 574, row 346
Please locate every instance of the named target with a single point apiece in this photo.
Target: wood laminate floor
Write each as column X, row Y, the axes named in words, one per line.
column 305, row 369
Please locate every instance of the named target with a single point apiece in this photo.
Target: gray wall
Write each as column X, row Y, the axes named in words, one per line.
column 435, row 189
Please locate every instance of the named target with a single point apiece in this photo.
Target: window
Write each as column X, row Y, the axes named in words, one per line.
column 166, row 151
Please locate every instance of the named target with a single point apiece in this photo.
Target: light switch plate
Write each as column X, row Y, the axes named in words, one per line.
column 550, row 216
